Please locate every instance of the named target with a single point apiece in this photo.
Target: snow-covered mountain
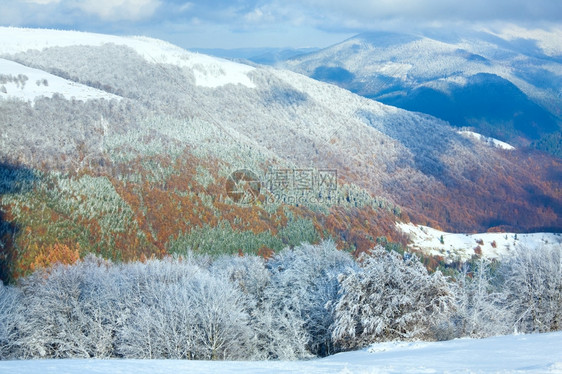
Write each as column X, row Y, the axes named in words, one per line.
column 154, row 131
column 264, row 56
column 505, row 86
column 208, row 71
column 276, row 113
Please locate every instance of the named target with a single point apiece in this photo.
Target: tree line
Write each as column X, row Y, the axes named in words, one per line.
column 312, row 300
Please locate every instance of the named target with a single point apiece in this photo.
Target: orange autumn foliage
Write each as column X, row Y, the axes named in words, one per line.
column 53, row 254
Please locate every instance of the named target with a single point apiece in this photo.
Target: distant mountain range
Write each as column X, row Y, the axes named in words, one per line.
column 132, row 147
column 264, row 56
column 507, row 88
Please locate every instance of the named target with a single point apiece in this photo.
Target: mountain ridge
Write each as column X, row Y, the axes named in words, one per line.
column 436, row 73
column 145, row 175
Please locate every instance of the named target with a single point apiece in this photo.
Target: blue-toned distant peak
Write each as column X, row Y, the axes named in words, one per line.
column 472, row 57
column 385, row 39
column 504, row 84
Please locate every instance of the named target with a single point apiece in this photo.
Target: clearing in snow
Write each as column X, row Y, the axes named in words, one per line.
column 463, row 246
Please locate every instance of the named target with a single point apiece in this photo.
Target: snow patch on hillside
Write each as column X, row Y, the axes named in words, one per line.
column 464, row 246
column 445, row 84
column 537, row 353
column 491, row 141
column 456, row 79
column 37, row 83
column 395, row 69
column 209, row 71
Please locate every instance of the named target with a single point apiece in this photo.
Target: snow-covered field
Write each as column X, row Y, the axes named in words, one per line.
column 538, row 353
column 492, row 245
column 41, row 83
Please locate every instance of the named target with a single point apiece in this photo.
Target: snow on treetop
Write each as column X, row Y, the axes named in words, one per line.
column 209, row 71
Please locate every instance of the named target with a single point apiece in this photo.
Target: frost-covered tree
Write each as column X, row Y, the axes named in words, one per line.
column 389, row 298
column 68, row 311
column 9, row 300
column 305, row 284
column 247, row 273
column 533, row 282
column 278, row 330
column 221, row 322
column 152, row 311
column 250, row 277
column 481, row 304
column 308, row 301
column 184, row 313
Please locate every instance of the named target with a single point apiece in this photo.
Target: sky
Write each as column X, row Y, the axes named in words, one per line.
column 276, row 23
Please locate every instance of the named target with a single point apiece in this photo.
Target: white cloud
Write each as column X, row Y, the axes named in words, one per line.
column 67, row 12
column 185, row 7
column 439, row 10
column 255, row 15
column 42, row 2
column 113, row 10
column 285, row 22
column 267, row 15
column 550, row 41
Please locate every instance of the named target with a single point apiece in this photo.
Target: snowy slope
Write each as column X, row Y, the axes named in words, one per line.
column 491, row 141
column 208, row 71
column 539, row 353
column 40, row 83
column 492, row 245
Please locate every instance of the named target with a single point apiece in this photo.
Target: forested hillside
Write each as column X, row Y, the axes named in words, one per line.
column 128, row 153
